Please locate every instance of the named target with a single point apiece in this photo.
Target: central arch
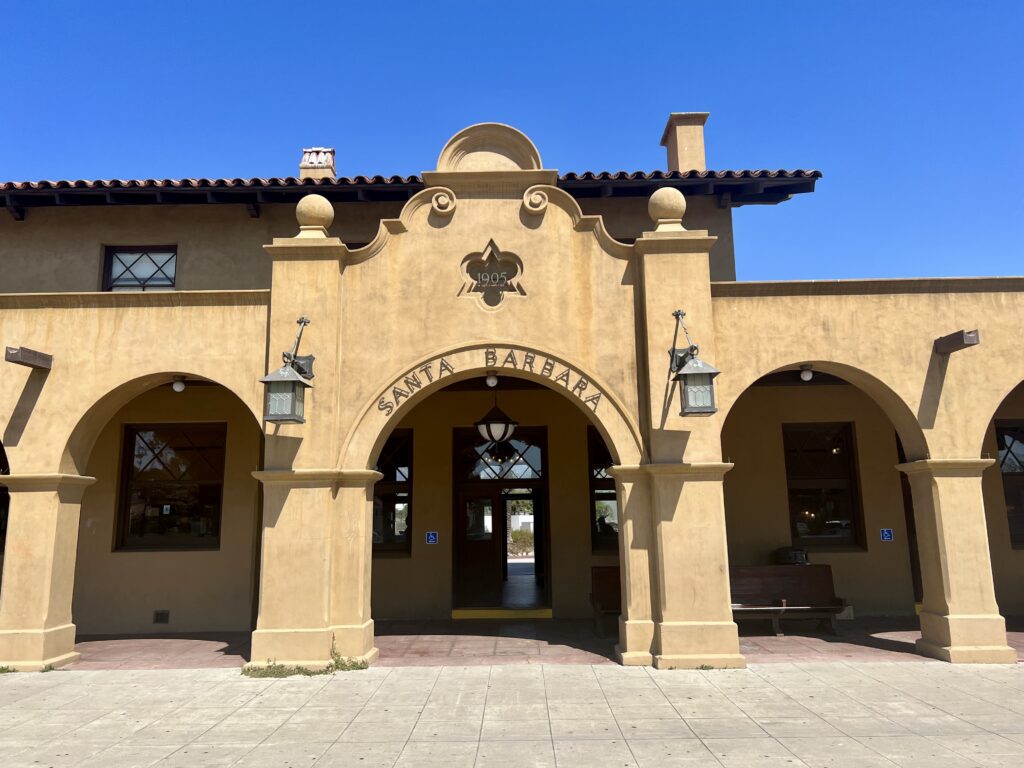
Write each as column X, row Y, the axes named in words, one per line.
column 536, row 556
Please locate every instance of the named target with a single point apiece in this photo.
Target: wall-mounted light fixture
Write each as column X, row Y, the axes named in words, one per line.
column 694, row 376
column 284, row 401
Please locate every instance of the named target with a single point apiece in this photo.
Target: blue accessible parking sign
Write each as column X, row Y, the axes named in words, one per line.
column 431, row 537
column 887, row 534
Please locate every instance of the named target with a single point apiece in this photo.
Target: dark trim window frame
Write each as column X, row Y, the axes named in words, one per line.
column 604, row 504
column 1010, row 445
column 5, row 499
column 392, row 496
column 140, row 267
column 823, row 486
column 171, row 493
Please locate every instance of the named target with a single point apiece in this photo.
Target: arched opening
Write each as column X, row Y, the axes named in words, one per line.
column 494, row 549
column 815, row 481
column 168, row 540
column 1003, row 491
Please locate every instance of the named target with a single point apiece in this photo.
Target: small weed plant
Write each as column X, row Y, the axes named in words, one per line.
column 338, row 663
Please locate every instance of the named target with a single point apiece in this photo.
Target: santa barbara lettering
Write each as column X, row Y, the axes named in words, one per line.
column 525, row 360
column 412, row 381
column 530, row 361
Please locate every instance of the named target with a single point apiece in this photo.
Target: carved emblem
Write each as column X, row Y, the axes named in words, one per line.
column 490, row 274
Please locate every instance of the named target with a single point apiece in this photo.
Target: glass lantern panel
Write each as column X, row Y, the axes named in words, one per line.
column 698, row 391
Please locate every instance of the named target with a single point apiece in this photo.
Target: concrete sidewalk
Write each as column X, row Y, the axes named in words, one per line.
column 839, row 714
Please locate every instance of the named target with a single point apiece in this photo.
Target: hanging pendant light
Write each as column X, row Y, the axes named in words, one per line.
column 496, row 425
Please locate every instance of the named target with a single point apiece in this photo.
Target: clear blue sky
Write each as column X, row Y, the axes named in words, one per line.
column 913, row 111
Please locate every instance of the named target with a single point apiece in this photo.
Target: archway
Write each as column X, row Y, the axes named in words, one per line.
column 168, row 535
column 815, row 478
column 1003, row 491
column 488, row 549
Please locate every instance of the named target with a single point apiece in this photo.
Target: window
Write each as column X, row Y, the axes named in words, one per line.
column 821, row 474
column 1010, row 439
column 5, row 499
column 604, row 504
column 392, row 499
column 139, row 268
column 521, row 457
column 172, row 482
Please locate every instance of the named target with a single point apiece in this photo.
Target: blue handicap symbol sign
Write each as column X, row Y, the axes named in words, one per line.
column 887, row 534
column 431, row 537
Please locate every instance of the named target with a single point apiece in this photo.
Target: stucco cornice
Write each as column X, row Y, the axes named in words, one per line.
column 256, row 298
column 711, row 470
column 318, row 478
column 44, row 482
column 947, row 467
column 867, row 287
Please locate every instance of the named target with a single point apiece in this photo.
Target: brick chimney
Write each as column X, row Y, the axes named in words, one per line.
column 684, row 140
column 317, row 163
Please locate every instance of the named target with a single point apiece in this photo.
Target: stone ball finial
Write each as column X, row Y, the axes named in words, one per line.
column 314, row 211
column 667, row 204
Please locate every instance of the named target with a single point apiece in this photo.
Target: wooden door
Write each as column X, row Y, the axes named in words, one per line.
column 479, row 548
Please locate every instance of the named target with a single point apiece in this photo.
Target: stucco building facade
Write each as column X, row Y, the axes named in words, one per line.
column 857, row 420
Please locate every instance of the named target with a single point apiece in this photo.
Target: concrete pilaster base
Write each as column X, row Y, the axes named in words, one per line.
column 28, row 650
column 636, row 638
column 312, row 647
column 960, row 639
column 692, row 644
column 698, row 661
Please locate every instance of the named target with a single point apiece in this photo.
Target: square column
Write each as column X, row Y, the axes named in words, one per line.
column 960, row 620
column 694, row 625
column 295, row 568
column 351, row 565
column 636, row 548
column 36, row 630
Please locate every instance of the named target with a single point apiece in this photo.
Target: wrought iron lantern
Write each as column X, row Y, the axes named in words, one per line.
column 284, row 401
column 694, row 376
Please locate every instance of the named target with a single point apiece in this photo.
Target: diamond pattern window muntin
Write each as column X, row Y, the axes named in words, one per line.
column 140, row 268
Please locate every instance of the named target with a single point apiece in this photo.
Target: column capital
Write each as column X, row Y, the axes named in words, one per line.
column 710, row 470
column 947, row 467
column 69, row 487
column 318, row 478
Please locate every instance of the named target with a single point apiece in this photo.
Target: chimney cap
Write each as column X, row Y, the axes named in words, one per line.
column 317, row 163
column 682, row 118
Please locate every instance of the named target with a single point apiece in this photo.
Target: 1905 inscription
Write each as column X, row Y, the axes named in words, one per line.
column 492, row 358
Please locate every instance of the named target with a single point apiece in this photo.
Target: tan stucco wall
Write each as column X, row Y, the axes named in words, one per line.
column 206, row 591
column 420, row 586
column 627, row 219
column 220, row 247
column 876, row 580
column 1007, row 562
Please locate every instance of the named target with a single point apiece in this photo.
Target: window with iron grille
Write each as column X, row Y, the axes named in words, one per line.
column 172, row 483
column 1010, row 440
column 392, row 495
column 140, row 268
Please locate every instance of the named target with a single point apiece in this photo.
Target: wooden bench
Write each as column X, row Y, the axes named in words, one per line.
column 605, row 594
column 775, row 592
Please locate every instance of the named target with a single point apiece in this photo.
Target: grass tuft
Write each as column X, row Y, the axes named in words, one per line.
column 338, row 663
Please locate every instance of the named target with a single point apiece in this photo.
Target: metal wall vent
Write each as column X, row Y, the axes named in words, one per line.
column 161, row 617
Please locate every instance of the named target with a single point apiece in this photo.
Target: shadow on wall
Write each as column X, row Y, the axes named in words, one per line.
column 24, row 407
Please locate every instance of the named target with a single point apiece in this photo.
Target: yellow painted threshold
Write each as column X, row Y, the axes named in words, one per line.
column 501, row 613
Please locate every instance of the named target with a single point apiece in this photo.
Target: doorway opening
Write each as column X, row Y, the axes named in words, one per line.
column 501, row 563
